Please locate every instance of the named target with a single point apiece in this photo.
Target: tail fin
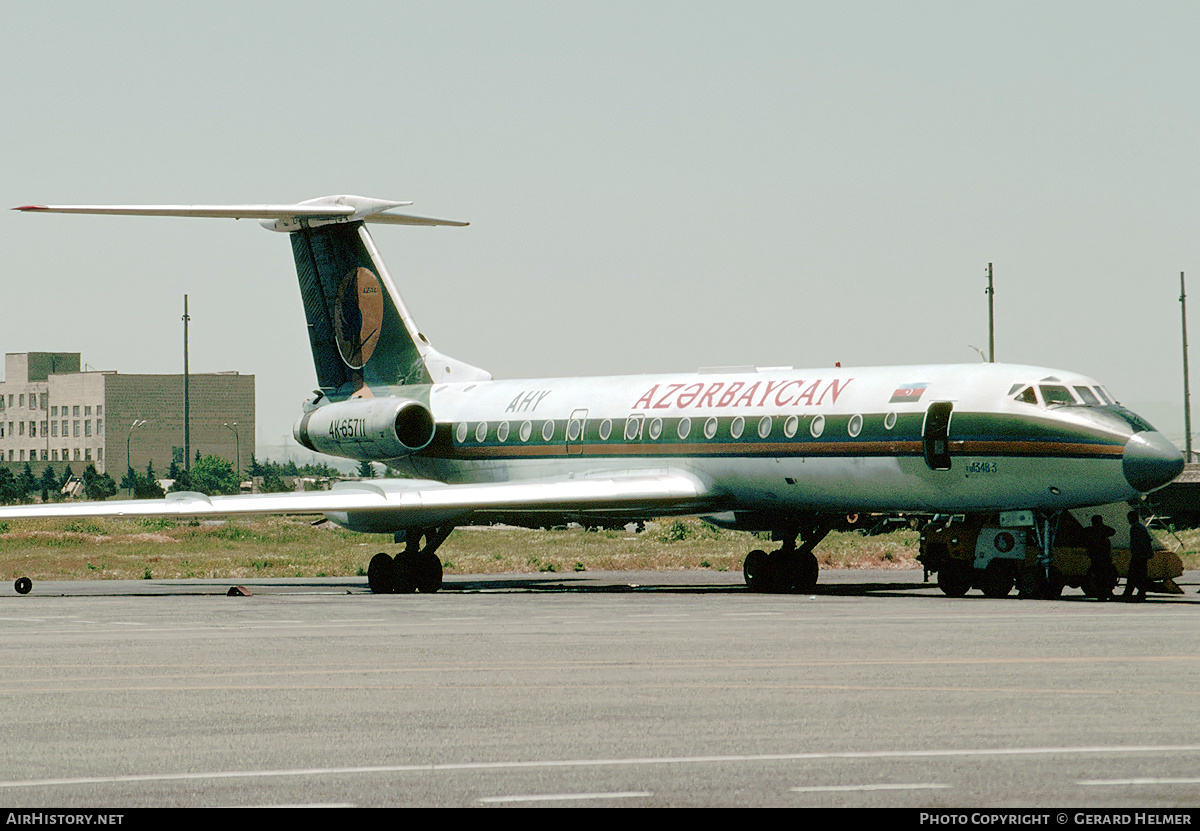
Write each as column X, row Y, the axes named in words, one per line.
column 363, row 338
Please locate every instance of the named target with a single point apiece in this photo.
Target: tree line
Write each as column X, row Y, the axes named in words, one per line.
column 209, row 475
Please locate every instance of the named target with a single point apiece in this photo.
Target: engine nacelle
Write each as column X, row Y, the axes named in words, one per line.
column 367, row 429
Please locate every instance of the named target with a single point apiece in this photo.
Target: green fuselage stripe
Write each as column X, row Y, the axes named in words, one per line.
column 971, row 434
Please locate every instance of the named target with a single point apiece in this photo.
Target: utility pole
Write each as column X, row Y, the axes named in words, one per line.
column 991, row 293
column 1187, row 403
column 187, row 425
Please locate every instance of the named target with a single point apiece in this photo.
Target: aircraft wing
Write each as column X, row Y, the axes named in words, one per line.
column 418, row 502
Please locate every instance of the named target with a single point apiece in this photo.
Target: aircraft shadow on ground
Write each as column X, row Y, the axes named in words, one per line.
column 592, row 585
column 589, row 583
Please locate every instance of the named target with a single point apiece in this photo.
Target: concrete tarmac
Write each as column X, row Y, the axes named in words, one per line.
column 595, row 689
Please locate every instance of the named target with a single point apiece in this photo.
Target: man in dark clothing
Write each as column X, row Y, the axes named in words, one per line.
column 1102, row 574
column 1140, row 552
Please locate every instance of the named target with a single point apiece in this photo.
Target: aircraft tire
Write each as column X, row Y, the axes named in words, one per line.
column 380, row 574
column 23, row 585
column 428, row 573
column 997, row 579
column 810, row 569
column 405, row 573
column 785, row 571
column 954, row 579
column 757, row 571
column 1055, row 585
column 1034, row 584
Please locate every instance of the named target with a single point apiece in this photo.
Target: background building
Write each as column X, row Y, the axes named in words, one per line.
column 53, row 413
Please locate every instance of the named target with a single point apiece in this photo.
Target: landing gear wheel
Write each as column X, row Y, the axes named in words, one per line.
column 23, row 585
column 1055, row 584
column 954, row 579
column 428, row 572
column 404, row 572
column 756, row 571
column 809, row 571
column 785, row 570
column 380, row 574
column 1035, row 584
column 998, row 579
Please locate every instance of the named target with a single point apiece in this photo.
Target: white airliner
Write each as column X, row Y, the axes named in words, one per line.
column 789, row 451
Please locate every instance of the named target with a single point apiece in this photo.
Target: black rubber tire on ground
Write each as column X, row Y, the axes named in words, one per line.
column 381, row 574
column 785, row 571
column 998, row 579
column 428, row 573
column 1054, row 585
column 404, row 572
column 810, row 569
column 954, row 578
column 23, row 585
column 756, row 571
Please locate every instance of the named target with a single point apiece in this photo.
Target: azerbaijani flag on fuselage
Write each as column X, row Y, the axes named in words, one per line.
column 908, row 394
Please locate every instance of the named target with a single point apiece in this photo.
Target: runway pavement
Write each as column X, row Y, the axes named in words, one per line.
column 618, row 689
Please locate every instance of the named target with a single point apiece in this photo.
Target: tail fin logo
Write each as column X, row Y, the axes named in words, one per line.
column 359, row 316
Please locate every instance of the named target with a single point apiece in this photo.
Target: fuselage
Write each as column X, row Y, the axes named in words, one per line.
column 945, row 438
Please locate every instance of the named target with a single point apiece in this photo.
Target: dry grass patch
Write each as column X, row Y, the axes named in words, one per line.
column 131, row 549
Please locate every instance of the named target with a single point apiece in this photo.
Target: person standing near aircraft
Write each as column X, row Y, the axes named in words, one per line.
column 1140, row 552
column 1099, row 551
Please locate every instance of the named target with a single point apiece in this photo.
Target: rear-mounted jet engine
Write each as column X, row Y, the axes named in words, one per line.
column 367, row 429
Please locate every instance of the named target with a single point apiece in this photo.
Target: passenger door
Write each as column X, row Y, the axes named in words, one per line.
column 935, row 435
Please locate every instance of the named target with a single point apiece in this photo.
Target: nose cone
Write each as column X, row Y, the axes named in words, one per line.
column 1150, row 461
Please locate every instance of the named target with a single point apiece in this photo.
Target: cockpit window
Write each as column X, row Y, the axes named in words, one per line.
column 1027, row 395
column 1062, row 395
column 1054, row 394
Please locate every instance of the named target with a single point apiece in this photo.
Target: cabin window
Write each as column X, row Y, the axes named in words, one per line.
column 605, row 429
column 1054, row 394
column 710, row 428
column 764, row 427
column 481, row 431
column 574, row 429
column 737, row 426
column 855, row 425
column 502, row 431
column 683, row 428
column 889, row 421
column 633, row 428
column 790, row 426
column 655, row 429
column 526, row 430
column 548, row 430
column 460, row 433
column 817, row 427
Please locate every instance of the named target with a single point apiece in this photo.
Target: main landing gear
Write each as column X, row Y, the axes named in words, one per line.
column 788, row 569
column 416, row 568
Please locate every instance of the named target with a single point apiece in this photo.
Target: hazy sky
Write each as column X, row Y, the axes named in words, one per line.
column 652, row 186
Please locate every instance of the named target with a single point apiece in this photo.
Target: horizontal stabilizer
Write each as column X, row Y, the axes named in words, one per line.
column 310, row 213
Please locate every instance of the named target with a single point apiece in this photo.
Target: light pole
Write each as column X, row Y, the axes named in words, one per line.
column 238, row 445
column 991, row 295
column 137, row 422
